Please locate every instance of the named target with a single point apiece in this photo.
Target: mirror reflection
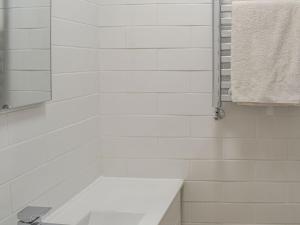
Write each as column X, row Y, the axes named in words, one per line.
column 25, row 62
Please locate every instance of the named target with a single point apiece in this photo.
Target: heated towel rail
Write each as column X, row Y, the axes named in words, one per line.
column 221, row 55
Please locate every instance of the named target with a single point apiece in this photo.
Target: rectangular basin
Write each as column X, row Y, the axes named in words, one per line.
column 122, row 201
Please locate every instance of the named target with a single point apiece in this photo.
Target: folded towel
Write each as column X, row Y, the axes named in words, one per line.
column 266, row 52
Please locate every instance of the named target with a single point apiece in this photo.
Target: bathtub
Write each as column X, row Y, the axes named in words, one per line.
column 123, row 201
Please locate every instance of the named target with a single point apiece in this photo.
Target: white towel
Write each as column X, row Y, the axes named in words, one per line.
column 266, row 52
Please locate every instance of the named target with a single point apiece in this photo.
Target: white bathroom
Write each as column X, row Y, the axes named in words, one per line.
column 149, row 112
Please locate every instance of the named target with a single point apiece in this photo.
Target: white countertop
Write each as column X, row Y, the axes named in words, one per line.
column 151, row 197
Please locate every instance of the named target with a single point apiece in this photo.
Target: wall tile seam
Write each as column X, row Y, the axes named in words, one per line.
column 52, row 186
column 195, row 182
column 149, row 48
column 220, row 139
column 75, row 47
column 6, row 148
column 93, row 2
column 46, row 191
column 88, row 48
column 155, row 3
column 245, row 203
column 153, row 70
column 243, row 180
column 48, row 162
column 94, row 94
column 249, row 203
column 56, row 75
column 151, row 92
column 209, row 160
column 149, row 70
column 28, row 7
column 73, row 99
column 170, row 115
column 73, row 21
column 162, row 136
column 6, row 115
column 199, row 159
column 75, row 72
column 154, row 49
column 152, row 26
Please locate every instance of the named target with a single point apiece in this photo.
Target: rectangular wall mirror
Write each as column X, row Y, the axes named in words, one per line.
column 25, row 52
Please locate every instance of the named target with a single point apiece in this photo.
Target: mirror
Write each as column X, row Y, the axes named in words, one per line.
column 25, row 52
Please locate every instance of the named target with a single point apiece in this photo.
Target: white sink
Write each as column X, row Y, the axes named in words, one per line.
column 121, row 201
column 111, row 218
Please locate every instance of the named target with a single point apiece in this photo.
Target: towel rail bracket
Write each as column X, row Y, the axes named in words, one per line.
column 219, row 113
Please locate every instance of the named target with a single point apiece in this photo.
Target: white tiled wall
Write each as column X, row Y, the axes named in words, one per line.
column 156, row 119
column 155, row 84
column 50, row 152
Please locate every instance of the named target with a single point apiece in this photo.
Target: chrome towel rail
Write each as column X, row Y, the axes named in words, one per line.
column 222, row 12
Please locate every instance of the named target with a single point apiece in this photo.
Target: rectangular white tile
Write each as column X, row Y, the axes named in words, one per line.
column 221, row 170
column 122, row 15
column 184, row 59
column 184, row 14
column 169, row 37
column 128, row 104
column 269, row 149
column 112, row 37
column 220, row 212
column 127, row 59
column 79, row 84
column 70, row 59
column 28, row 18
column 75, row 10
column 158, row 168
column 185, row 104
column 190, row 148
column 66, row 33
column 145, row 81
column 202, row 191
column 144, row 126
column 131, row 147
column 293, row 192
column 230, row 127
column 284, row 213
column 271, row 171
column 267, row 192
